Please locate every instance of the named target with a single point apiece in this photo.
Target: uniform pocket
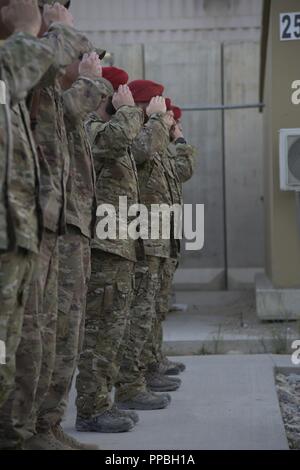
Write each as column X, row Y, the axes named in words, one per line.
column 108, row 299
column 124, row 294
column 123, row 288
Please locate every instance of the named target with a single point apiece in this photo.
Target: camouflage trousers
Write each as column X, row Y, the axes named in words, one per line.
column 153, row 353
column 107, row 316
column 73, row 277
column 36, row 353
column 131, row 378
column 16, row 270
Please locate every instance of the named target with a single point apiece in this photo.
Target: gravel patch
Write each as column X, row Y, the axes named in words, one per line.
column 288, row 389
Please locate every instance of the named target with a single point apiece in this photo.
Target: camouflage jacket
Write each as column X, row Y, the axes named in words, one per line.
column 178, row 163
column 149, row 149
column 47, row 115
column 79, row 101
column 23, row 61
column 116, row 170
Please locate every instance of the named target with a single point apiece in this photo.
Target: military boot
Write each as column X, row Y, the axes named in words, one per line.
column 69, row 441
column 105, row 422
column 45, row 441
column 127, row 414
column 162, row 383
column 168, row 367
column 145, row 401
column 166, row 395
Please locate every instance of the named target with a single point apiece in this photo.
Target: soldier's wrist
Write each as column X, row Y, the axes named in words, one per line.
column 158, row 115
column 26, row 29
column 88, row 76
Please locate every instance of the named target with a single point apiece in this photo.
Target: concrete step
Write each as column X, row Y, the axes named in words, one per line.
column 222, row 323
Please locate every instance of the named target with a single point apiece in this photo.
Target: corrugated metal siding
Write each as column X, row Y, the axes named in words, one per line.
column 142, row 21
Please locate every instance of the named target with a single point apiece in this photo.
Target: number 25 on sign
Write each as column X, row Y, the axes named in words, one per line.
column 290, row 26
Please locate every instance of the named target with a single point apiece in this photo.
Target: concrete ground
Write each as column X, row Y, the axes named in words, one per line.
column 224, row 322
column 225, row 402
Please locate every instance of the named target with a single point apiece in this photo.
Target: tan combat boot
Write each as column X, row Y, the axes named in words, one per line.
column 70, row 441
column 45, row 441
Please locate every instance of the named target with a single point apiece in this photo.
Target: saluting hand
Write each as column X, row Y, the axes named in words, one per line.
column 90, row 66
column 57, row 13
column 22, row 16
column 123, row 97
column 156, row 105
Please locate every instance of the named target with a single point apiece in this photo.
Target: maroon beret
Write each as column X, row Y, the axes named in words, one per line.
column 144, row 90
column 168, row 104
column 115, row 76
column 177, row 112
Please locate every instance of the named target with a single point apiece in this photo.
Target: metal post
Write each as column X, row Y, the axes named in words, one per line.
column 224, row 170
column 223, row 107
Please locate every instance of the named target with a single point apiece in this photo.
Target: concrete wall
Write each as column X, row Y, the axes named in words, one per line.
column 191, row 73
column 229, row 174
column 198, row 71
column 145, row 21
column 244, row 164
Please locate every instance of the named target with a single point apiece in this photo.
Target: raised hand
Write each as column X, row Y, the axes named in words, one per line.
column 57, row 13
column 156, row 105
column 22, row 16
column 90, row 66
column 123, row 97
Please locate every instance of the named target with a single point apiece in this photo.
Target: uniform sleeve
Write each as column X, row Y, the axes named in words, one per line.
column 23, row 60
column 184, row 159
column 154, row 137
column 82, row 99
column 68, row 45
column 113, row 137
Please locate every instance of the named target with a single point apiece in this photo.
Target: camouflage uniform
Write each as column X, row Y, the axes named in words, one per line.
column 23, row 61
column 17, row 199
column 113, row 260
column 39, row 328
column 153, row 350
column 147, row 148
column 179, row 164
column 74, row 248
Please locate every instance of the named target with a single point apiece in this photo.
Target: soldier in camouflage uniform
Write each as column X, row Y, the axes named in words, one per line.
column 82, row 95
column 24, row 60
column 147, row 149
column 179, row 164
column 113, row 262
column 34, row 375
